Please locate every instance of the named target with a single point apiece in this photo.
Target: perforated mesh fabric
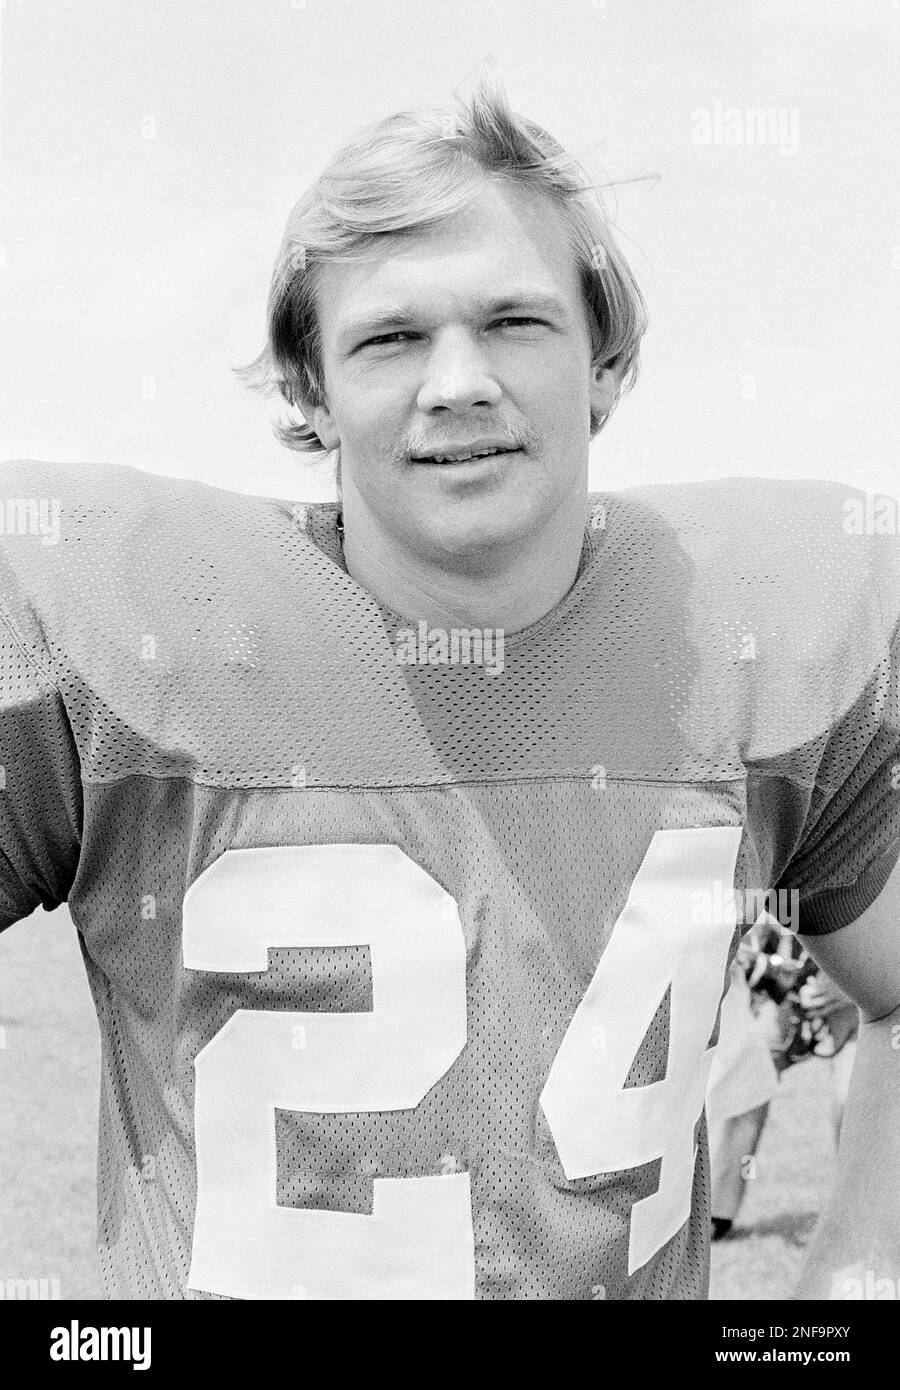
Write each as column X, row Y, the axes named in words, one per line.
column 188, row 671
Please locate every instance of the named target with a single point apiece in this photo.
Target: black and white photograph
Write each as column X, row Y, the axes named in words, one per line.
column 450, row 659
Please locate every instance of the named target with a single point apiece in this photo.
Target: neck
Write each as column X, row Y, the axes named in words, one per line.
column 507, row 588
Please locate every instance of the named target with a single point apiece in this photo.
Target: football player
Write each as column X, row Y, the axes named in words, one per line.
column 402, row 834
column 742, row 1082
column 780, row 1009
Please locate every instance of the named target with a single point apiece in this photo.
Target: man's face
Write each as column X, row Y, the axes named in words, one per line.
column 473, row 334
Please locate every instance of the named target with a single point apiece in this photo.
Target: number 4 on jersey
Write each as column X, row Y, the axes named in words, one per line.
column 660, row 942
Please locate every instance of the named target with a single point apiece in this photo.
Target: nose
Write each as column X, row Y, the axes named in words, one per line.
column 457, row 376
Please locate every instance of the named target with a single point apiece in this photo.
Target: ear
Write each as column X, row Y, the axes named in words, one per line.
column 322, row 421
column 604, row 388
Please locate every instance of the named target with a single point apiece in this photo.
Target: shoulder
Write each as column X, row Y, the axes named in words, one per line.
column 786, row 592
column 85, row 547
column 93, row 503
column 787, row 552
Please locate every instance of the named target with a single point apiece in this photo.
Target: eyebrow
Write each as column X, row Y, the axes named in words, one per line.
column 526, row 300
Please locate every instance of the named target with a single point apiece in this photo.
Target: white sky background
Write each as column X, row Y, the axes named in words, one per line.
column 152, row 149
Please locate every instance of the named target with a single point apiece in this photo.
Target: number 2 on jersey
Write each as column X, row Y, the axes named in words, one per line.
column 418, row 1242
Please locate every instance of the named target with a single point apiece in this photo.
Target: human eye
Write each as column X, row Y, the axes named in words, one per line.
column 520, row 321
column 386, row 339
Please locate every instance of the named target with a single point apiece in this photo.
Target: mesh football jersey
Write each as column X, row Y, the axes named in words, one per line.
column 408, row 952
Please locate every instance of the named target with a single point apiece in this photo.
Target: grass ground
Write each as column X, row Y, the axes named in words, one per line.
column 49, row 1090
column 49, row 1069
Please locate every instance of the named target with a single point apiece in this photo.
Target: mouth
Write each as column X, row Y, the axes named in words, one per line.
column 474, row 453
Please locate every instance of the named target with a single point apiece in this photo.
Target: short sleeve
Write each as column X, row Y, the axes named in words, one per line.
column 850, row 836
column 40, row 786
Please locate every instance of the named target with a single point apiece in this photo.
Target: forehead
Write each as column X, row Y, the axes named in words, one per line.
column 506, row 240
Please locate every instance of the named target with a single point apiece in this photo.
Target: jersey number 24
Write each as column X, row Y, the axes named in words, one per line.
column 418, row 1241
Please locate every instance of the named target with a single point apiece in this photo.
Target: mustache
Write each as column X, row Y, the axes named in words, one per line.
column 515, row 437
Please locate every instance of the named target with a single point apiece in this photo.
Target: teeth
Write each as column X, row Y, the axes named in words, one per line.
column 462, row 458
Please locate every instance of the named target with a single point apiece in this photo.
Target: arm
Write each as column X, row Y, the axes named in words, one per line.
column 40, row 786
column 858, row 1236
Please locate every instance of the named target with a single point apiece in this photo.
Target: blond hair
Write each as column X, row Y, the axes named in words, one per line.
column 414, row 170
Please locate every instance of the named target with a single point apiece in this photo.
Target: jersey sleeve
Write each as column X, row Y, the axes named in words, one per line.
column 40, row 785
column 850, row 830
